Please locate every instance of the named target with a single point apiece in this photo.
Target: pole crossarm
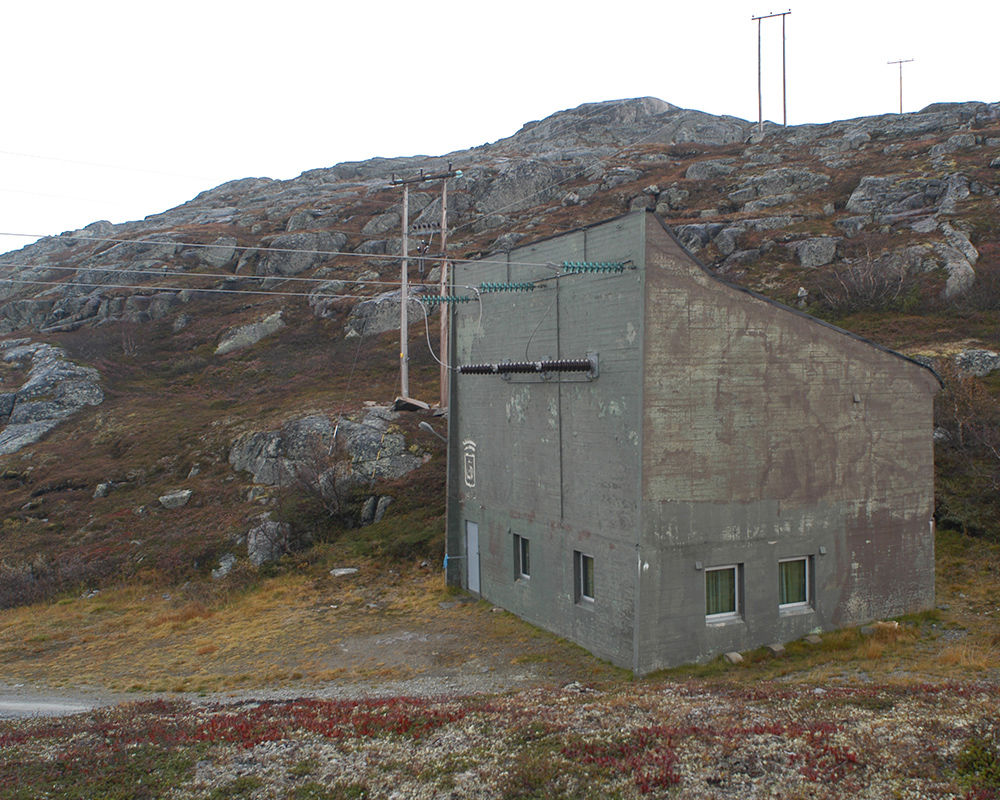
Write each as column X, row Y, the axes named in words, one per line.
column 775, row 14
column 422, row 177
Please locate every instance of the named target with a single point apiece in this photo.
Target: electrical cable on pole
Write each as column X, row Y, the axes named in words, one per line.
column 405, row 400
column 443, row 320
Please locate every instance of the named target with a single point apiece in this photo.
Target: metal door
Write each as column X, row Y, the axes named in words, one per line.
column 472, row 556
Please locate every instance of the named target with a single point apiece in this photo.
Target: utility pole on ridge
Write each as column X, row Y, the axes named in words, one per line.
column 784, row 83
column 900, row 62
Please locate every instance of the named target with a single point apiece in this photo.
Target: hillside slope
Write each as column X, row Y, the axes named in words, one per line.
column 230, row 334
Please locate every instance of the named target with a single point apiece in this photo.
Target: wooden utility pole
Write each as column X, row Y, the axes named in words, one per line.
column 404, row 302
column 784, row 82
column 443, row 347
column 901, row 62
column 404, row 353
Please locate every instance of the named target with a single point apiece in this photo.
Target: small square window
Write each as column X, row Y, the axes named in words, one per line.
column 722, row 593
column 584, row 577
column 522, row 557
column 794, row 582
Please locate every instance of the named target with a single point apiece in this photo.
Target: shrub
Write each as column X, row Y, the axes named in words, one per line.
column 979, row 763
column 868, row 284
column 967, row 455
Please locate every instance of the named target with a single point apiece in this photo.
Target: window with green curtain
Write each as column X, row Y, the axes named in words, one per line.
column 720, row 591
column 793, row 582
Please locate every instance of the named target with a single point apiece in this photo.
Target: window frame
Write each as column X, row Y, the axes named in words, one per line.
column 580, row 562
column 522, row 558
column 797, row 604
column 737, row 612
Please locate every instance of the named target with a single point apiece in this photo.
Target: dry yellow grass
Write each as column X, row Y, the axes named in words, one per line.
column 386, row 622
column 292, row 629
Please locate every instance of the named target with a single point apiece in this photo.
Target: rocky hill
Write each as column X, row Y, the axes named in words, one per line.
column 176, row 387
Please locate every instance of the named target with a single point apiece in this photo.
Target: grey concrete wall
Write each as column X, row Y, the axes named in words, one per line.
column 556, row 460
column 768, row 435
column 723, row 429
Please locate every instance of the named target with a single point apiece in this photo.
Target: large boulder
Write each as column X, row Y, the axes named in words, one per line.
column 978, row 363
column 219, row 253
column 292, row 253
column 706, row 170
column 325, row 297
column 56, row 388
column 175, row 499
column 381, row 314
column 315, row 450
column 274, row 457
column 816, row 252
column 779, row 182
column 878, row 196
column 267, row 540
column 247, row 335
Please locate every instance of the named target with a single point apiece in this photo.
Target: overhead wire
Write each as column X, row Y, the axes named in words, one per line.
column 245, row 248
column 220, row 275
column 210, row 290
column 427, row 331
column 269, row 249
column 102, row 166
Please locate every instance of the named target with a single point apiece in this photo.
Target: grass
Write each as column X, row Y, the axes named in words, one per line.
column 303, row 626
column 296, row 628
column 172, row 404
column 958, row 640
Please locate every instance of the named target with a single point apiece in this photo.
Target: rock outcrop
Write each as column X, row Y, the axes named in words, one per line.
column 314, row 448
column 248, row 335
column 642, row 153
column 55, row 389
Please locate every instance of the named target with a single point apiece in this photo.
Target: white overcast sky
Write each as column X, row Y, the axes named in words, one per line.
column 115, row 110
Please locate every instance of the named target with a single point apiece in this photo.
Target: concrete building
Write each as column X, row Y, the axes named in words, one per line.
column 661, row 466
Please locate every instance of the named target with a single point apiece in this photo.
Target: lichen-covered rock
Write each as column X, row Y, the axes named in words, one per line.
column 306, row 448
column 267, row 540
column 292, row 253
column 816, row 252
column 175, row 499
column 779, row 181
column 247, row 335
column 226, row 564
column 978, row 363
column 381, row 314
column 325, row 297
column 881, row 195
column 713, row 168
column 219, row 253
column 56, row 388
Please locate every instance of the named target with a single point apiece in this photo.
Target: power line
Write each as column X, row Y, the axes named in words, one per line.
column 267, row 292
column 221, row 276
column 268, row 249
column 103, row 166
column 598, row 109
